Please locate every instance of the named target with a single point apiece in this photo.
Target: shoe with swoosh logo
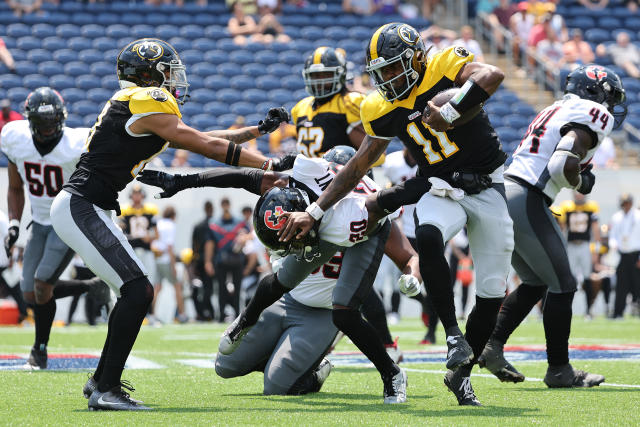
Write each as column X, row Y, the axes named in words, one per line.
column 115, row 399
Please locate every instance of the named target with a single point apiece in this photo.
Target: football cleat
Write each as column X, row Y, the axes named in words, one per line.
column 394, row 351
column 395, row 388
column 460, row 386
column 322, row 372
column 115, row 399
column 492, row 358
column 37, row 359
column 91, row 385
column 233, row 335
column 459, row 352
column 565, row 376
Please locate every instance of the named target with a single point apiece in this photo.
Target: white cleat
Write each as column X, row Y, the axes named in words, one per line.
column 395, row 389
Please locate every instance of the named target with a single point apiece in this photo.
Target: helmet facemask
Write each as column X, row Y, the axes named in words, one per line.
column 176, row 82
column 401, row 83
column 615, row 103
column 321, row 86
column 47, row 125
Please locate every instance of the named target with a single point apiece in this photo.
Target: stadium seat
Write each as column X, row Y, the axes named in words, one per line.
column 91, row 56
column 631, row 84
column 255, row 96
column 132, row 19
column 64, row 56
column 215, row 108
column 609, row 23
column 192, row 32
column 323, row 20
column 84, row 108
column 107, row 18
column 104, row 43
column 75, row 43
column 110, row 83
column 180, row 44
column 98, row 95
column 86, row 82
column 293, row 83
column 508, row 135
column 43, row 30
column 596, row 35
column 294, row 20
column 497, row 108
column 166, row 32
column 76, row 68
column 229, row 96
column 226, row 120
column 253, row 69
column 203, row 44
column 17, row 95
column 28, row 43
column 61, row 81
column 614, row 33
column 21, row 55
column 496, row 120
column 71, row 7
column 92, row 31
column 516, row 121
column 293, row 32
column 228, row 69
column 312, row 32
column 215, row 56
column 18, row 30
column 280, row 96
column 253, row 118
column 215, row 32
column 253, row 48
column 322, row 42
column 241, row 57
column 201, row 69
column 290, row 57
column 632, row 23
column 82, row 18
column 243, row 108
column 523, row 109
column 25, row 67
column 195, row 82
column 302, row 45
column 351, row 45
column 299, row 94
column 102, row 69
column 89, row 120
column 216, row 82
column 117, row 30
column 226, row 44
column 263, row 107
column 190, row 57
column 142, row 31
column 73, row 94
column 34, row 81
column 50, row 68
column 266, row 57
column 73, row 121
column 242, row 82
column 279, row 70
column 268, row 82
column 204, row 96
column 335, row 32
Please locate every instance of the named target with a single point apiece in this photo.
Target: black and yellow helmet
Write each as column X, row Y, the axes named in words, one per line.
column 395, row 59
column 325, row 72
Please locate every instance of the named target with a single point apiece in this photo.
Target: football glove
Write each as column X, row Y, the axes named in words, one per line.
column 275, row 116
column 409, row 285
column 171, row 184
column 284, row 163
column 12, row 237
column 587, row 180
column 471, row 183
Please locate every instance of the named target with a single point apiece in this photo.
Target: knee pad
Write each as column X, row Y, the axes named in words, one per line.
column 344, row 317
column 138, row 291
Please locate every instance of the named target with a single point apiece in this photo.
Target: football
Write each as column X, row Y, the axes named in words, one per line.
column 442, row 98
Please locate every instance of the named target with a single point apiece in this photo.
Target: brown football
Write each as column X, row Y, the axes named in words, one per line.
column 443, row 97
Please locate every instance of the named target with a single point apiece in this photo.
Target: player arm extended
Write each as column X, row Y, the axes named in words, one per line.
column 564, row 164
column 15, row 195
column 400, row 251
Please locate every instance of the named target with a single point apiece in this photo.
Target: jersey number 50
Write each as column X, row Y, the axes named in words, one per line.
column 39, row 178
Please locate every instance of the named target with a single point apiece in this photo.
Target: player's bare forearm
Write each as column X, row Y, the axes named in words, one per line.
column 15, row 194
column 400, row 251
column 583, row 141
column 488, row 77
column 349, row 176
column 237, row 136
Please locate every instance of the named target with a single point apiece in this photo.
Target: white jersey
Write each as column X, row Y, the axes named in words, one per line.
column 397, row 171
column 532, row 156
column 44, row 175
column 343, row 224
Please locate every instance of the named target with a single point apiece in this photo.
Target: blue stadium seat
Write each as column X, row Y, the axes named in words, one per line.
column 180, row 43
column 609, row 23
column 243, row 108
column 86, row 82
column 631, row 84
column 352, row 45
column 293, row 32
column 296, row 69
column 71, row 7
column 215, row 108
column 359, row 33
column 92, row 31
column 347, row 20
column 18, row 30
column 103, row 43
column 516, row 121
column 204, row 96
column 302, row 45
column 117, row 30
column 263, row 107
column 195, row 82
column 65, row 55
column 203, row 121
column 91, row 56
column 84, row 108
column 26, row 67
column 580, row 22
column 242, row 82
column 21, row 55
column 280, row 70
column 106, row 18
column 497, row 108
column 50, row 68
column 290, row 57
column 201, row 69
column 268, row 82
column 28, row 43
column 192, row 32
column 34, row 81
column 206, row 19
column 280, row 96
column 76, row 43
column 293, row 83
column 98, row 95
column 312, row 32
column 523, row 109
column 254, row 47
column 156, row 19
column 255, row 96
column 197, row 161
column 614, row 33
column 253, row 119
column 228, row 69
column 76, row 68
column 294, row 20
column 82, row 18
column 110, row 56
column 73, row 94
column 43, row 30
column 191, row 108
column 266, row 57
column 215, row 32
column 241, row 57
column 110, row 83
column 496, row 120
column 335, row 32
column 190, row 57
column 226, row 44
column 216, row 82
column 17, row 95
column 61, row 81
column 632, row 23
column 229, row 95
column 132, row 19
column 216, row 56
column 73, row 121
column 508, row 134
column 166, row 32
column 253, row 69
column 226, row 120
column 299, row 94
column 142, row 31
column 596, row 35
column 67, row 31
column 203, row 44
column 102, row 69
column 89, row 120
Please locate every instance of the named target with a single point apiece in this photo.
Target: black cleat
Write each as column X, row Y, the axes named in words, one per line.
column 460, row 386
column 459, row 352
column 115, row 399
column 92, row 385
column 233, row 335
column 565, row 376
column 492, row 358
column 37, row 359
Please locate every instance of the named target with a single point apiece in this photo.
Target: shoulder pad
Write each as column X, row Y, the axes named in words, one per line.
column 150, row 209
column 153, row 100
column 449, row 61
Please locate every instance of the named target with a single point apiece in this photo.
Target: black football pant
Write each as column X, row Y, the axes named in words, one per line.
column 628, row 281
column 202, row 300
column 224, row 296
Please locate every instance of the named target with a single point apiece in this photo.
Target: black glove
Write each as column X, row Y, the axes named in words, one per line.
column 171, row 184
column 275, row 116
column 284, row 163
column 588, row 180
column 11, row 238
column 471, row 183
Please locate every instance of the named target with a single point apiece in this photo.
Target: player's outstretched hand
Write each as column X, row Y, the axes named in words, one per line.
column 12, row 237
column 432, row 118
column 409, row 285
column 285, row 162
column 275, row 116
column 297, row 225
column 166, row 181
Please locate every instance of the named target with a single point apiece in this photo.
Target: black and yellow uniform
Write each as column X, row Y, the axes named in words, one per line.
column 578, row 219
column 472, row 147
column 137, row 223
column 322, row 126
column 114, row 156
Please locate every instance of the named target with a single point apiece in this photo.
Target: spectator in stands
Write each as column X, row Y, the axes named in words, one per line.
column 241, row 26
column 439, row 38
column 269, row 6
column 499, row 19
column 270, row 30
column 468, row 42
column 632, row 5
column 428, row 7
column 229, row 259
column 24, row 7
column 594, row 4
column 249, row 7
column 387, row 7
column 7, row 114
column 283, row 139
column 180, row 159
column 6, row 57
column 202, row 244
column 623, row 53
column 577, row 51
column 551, row 52
column 359, row 7
column 521, row 24
column 540, row 31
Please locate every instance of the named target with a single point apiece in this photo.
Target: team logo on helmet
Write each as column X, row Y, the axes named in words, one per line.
column 595, row 72
column 461, row 51
column 274, row 219
column 408, row 34
column 148, row 50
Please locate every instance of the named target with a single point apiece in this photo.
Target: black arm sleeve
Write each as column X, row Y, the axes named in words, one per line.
column 247, row 178
column 406, row 193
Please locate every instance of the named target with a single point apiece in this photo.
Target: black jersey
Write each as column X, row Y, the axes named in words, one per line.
column 320, row 127
column 114, row 156
column 137, row 223
column 472, row 147
column 579, row 219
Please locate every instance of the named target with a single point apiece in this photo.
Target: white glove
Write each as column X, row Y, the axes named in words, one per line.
column 409, row 285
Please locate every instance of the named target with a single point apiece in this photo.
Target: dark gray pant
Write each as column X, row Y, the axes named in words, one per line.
column 627, row 281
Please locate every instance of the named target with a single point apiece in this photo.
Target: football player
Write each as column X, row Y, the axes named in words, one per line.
column 137, row 123
column 406, row 81
column 554, row 154
column 355, row 223
column 42, row 155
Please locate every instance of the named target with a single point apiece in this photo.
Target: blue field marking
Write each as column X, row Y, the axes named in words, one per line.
column 69, row 362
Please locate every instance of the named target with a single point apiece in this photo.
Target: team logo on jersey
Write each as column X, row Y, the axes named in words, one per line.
column 408, row 34
column 274, row 219
column 595, row 72
column 148, row 50
column 158, row 94
column 461, row 52
column 414, row 115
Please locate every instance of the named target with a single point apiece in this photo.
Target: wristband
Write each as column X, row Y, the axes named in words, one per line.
column 267, row 166
column 469, row 95
column 14, row 223
column 448, row 113
column 315, row 211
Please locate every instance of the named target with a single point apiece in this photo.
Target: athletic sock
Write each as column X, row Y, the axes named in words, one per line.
column 373, row 310
column 100, row 367
column 67, row 288
column 557, row 327
column 269, row 290
column 515, row 307
column 481, row 322
column 136, row 296
column 44, row 314
column 364, row 336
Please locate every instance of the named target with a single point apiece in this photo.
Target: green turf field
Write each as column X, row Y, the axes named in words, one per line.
column 183, row 395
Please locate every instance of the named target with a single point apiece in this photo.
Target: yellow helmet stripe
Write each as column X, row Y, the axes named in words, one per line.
column 317, row 55
column 373, row 46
